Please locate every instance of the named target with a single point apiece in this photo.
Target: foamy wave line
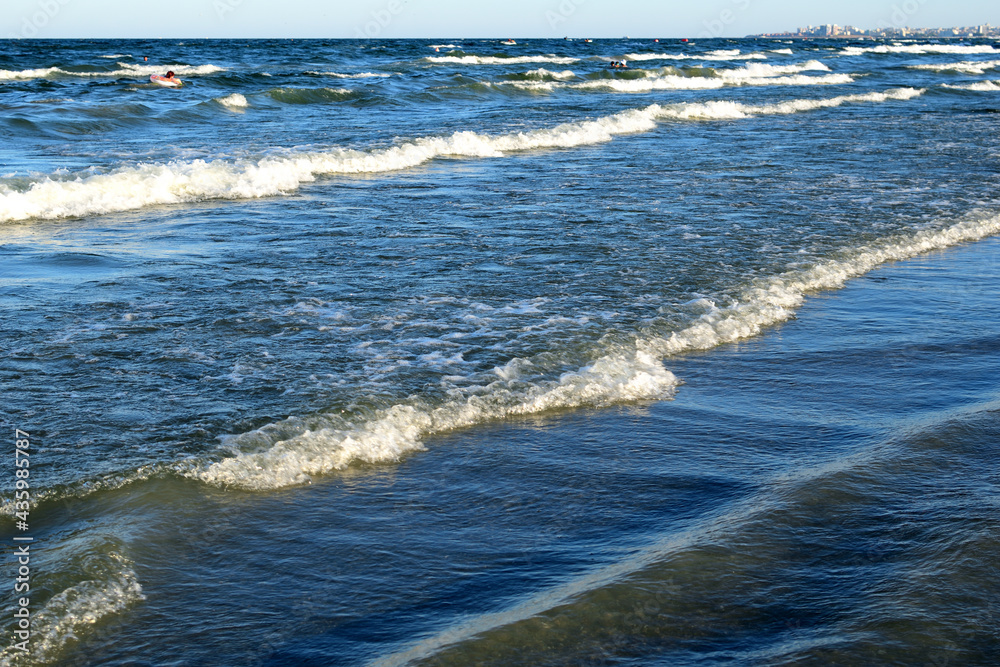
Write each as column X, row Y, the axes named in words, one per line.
column 130, row 188
column 684, row 83
column 292, row 452
column 759, row 70
column 754, row 74
column 771, row 301
column 979, row 86
column 10, row 75
column 728, row 54
column 746, row 56
column 127, row 70
column 622, row 376
column 236, row 101
column 360, row 75
column 64, row 614
column 966, row 67
column 919, row 49
column 724, row 53
column 708, row 83
column 545, row 74
column 662, row 56
column 495, row 60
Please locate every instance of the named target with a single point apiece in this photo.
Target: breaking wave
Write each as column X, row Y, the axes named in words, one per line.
column 500, row 60
column 134, row 187
column 109, row 586
column 291, row 452
column 142, row 71
column 727, row 54
column 919, row 49
column 697, row 83
column 966, row 67
column 979, row 86
column 543, row 74
column 235, row 100
column 360, row 75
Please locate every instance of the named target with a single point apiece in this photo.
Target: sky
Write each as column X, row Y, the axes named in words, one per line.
column 483, row 18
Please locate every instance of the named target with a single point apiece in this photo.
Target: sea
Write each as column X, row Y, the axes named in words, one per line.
column 467, row 352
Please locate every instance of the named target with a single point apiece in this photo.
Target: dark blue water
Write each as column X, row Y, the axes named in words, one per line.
column 463, row 353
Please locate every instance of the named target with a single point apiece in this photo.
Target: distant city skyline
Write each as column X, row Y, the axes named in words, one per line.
column 892, row 30
column 488, row 18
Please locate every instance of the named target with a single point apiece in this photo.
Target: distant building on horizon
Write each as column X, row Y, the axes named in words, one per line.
column 833, row 30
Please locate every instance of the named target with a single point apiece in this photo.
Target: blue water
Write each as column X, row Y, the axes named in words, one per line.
column 456, row 352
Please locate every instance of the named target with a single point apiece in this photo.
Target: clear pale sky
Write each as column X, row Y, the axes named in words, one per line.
column 484, row 18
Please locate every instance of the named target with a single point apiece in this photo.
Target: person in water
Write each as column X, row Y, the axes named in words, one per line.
column 170, row 77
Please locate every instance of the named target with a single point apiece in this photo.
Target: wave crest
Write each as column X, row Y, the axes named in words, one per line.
column 130, row 188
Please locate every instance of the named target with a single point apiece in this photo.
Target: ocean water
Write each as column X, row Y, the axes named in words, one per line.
column 457, row 352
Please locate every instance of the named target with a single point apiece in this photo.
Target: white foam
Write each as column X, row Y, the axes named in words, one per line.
column 757, row 70
column 134, row 187
column 115, row 588
column 728, row 54
column 967, row 67
column 360, row 75
column 547, row 75
column 747, row 56
column 773, row 300
column 708, row 83
column 622, row 376
column 9, row 75
column 291, row 452
column 236, row 100
column 919, row 49
column 979, row 86
column 146, row 70
column 754, row 74
column 526, row 85
column 784, row 52
column 723, row 53
column 661, row 56
column 127, row 70
column 494, row 60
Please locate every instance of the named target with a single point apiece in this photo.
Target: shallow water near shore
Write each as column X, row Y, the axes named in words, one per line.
column 481, row 356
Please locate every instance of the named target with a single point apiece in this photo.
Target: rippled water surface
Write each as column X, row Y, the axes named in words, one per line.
column 457, row 352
